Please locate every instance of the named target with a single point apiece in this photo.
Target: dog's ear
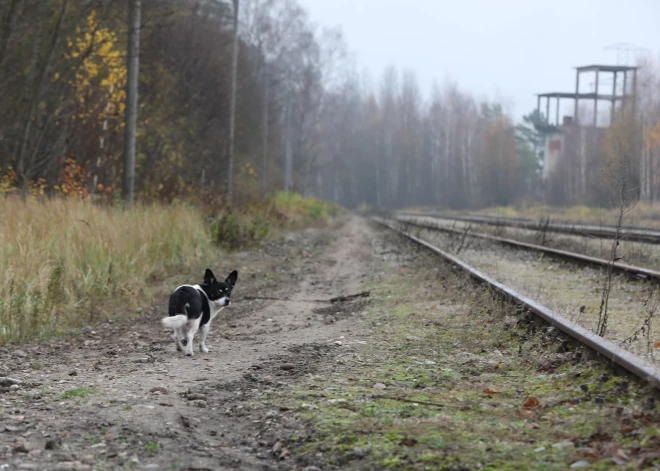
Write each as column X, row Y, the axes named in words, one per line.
column 231, row 279
column 209, row 277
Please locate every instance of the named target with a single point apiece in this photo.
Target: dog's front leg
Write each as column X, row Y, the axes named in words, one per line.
column 193, row 326
column 204, row 331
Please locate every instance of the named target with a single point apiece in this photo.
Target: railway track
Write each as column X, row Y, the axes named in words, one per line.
column 631, row 233
column 607, row 349
column 640, row 272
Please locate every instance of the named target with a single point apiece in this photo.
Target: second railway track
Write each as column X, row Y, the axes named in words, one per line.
column 631, row 233
column 632, row 363
column 641, row 272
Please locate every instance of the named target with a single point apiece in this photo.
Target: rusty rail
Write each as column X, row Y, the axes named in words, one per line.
column 622, row 267
column 630, row 233
column 607, row 349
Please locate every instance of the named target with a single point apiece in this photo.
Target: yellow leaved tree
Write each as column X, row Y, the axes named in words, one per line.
column 100, row 81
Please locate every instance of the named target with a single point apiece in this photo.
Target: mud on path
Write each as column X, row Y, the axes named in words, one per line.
column 120, row 397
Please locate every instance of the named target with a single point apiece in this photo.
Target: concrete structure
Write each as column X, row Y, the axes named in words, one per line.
column 554, row 130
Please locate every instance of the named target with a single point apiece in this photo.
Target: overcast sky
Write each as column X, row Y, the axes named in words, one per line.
column 507, row 49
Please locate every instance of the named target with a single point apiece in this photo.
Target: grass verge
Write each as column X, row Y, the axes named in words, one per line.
column 65, row 263
column 254, row 222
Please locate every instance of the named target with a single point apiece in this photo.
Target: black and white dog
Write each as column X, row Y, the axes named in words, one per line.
column 194, row 307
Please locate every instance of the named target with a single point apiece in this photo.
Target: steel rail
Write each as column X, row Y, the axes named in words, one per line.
column 631, row 233
column 628, row 361
column 622, row 267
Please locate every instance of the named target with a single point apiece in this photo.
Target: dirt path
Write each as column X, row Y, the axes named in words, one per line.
column 120, row 396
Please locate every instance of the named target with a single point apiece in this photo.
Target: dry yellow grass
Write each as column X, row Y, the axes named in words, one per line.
column 59, row 256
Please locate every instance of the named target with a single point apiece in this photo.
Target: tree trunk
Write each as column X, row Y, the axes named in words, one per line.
column 232, row 107
column 41, row 81
column 133, row 63
column 6, row 30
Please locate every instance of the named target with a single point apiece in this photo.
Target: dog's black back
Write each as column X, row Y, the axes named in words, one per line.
column 190, row 301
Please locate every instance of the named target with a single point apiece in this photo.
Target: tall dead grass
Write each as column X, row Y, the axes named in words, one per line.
column 59, row 257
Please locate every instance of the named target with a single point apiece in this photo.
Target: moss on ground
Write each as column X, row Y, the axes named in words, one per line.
column 470, row 383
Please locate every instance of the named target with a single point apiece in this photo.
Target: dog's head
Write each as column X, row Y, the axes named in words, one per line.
column 219, row 292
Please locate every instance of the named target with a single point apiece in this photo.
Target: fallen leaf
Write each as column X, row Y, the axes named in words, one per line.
column 590, row 453
column 621, row 454
column 433, row 307
column 408, row 442
column 490, row 392
column 656, row 345
column 532, row 403
column 526, row 414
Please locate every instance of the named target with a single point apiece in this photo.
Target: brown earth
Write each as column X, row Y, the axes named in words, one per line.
column 120, row 396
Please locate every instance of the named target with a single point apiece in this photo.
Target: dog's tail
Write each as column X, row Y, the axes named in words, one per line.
column 175, row 322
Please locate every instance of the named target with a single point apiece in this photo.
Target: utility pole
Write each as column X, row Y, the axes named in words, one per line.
column 288, row 156
column 264, row 161
column 232, row 107
column 133, row 64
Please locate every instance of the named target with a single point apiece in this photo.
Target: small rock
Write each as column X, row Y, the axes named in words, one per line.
column 379, row 386
column 271, row 414
column 197, row 397
column 4, row 381
column 155, row 466
column 73, row 373
column 565, row 444
column 86, row 330
column 23, row 446
column 539, row 449
column 20, row 354
column 14, row 387
column 198, row 403
column 580, row 464
column 28, row 466
column 359, row 452
column 287, row 366
column 311, row 468
column 268, row 379
column 277, row 447
column 339, row 343
column 284, row 454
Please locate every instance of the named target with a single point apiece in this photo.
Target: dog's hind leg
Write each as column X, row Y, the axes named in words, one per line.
column 193, row 325
column 204, row 331
column 178, row 335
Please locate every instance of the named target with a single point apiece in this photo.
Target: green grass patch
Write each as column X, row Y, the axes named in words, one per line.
column 79, row 392
column 254, row 222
